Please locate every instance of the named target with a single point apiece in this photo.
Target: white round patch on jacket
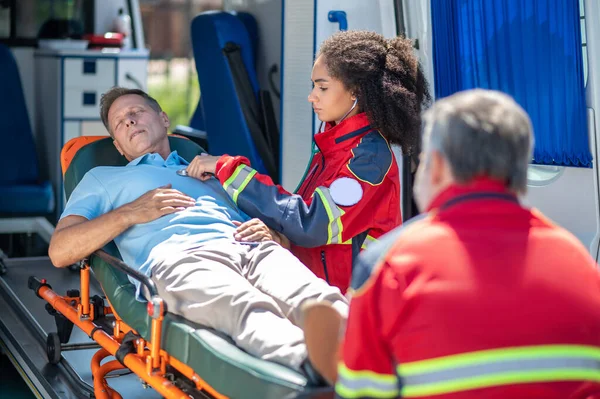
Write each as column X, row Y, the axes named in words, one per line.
column 345, row 191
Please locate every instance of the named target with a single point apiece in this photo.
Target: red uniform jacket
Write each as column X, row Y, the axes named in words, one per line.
column 480, row 298
column 350, row 197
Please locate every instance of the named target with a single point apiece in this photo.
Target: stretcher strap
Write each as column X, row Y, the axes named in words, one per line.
column 127, row 346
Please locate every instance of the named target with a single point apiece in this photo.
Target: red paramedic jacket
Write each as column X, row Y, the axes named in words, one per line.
column 479, row 298
column 350, row 197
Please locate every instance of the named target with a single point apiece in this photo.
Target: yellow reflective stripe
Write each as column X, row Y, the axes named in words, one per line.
column 493, row 355
column 356, row 384
column 243, row 186
column 334, row 215
column 499, row 380
column 238, row 181
column 345, row 372
column 340, row 227
column 502, row 366
column 235, row 174
column 368, row 241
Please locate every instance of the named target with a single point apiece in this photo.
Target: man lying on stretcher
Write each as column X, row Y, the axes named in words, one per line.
column 180, row 231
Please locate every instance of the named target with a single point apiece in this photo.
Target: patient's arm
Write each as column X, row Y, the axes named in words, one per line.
column 76, row 237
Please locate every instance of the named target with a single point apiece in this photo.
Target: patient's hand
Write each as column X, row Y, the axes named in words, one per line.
column 202, row 167
column 156, row 203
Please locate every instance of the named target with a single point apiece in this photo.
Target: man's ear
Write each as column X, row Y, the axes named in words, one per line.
column 165, row 119
column 440, row 169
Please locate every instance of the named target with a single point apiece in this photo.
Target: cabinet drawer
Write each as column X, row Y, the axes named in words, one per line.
column 133, row 73
column 83, row 103
column 89, row 72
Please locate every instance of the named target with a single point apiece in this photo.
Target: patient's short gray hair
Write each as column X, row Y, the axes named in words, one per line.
column 481, row 133
column 107, row 99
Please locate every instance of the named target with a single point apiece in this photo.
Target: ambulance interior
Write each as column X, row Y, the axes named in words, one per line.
column 253, row 60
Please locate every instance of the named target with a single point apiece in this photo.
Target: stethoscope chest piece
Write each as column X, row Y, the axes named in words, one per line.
column 182, row 172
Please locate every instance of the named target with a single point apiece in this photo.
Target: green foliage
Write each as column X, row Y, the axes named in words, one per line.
column 173, row 98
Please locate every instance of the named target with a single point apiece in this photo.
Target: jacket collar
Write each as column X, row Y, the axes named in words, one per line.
column 157, row 160
column 346, row 133
column 478, row 188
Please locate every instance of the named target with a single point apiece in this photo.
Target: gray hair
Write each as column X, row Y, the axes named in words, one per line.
column 481, row 133
column 108, row 98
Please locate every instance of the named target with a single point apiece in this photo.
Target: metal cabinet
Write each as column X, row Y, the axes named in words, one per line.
column 68, row 87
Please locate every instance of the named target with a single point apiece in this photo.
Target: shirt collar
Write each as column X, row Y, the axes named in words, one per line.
column 477, row 185
column 157, row 160
column 346, row 133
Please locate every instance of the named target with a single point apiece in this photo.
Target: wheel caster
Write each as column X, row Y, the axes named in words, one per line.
column 53, row 348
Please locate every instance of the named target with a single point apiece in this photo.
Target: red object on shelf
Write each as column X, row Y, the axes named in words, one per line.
column 109, row 39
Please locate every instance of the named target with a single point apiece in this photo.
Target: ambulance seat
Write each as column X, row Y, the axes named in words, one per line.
column 212, row 355
column 237, row 116
column 22, row 191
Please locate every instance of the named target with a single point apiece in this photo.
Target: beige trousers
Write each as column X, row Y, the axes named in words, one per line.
column 252, row 293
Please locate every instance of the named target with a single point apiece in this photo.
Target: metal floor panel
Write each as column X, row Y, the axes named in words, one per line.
column 24, row 324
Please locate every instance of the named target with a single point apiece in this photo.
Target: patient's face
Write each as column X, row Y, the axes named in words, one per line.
column 329, row 98
column 137, row 128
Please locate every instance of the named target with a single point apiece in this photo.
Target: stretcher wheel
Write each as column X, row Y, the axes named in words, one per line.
column 53, row 348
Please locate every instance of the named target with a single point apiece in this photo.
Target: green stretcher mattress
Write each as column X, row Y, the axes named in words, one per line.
column 213, row 356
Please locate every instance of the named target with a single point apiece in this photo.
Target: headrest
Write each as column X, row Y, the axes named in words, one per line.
column 81, row 154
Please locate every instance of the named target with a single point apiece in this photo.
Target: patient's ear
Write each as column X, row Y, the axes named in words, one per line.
column 165, row 119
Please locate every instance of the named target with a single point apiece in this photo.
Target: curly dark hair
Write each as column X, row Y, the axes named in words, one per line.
column 387, row 79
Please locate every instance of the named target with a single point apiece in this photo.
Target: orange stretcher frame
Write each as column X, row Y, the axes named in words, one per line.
column 148, row 361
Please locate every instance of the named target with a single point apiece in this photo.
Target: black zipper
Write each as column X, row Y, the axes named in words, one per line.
column 324, row 266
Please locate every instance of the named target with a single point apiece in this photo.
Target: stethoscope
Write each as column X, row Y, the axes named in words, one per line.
column 184, row 173
column 315, row 148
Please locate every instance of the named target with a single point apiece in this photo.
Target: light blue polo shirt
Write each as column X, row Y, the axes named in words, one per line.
column 105, row 188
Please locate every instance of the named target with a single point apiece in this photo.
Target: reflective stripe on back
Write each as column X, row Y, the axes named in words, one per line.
column 497, row 367
column 360, row 384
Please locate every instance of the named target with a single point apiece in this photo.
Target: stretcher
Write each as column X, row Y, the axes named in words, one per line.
column 177, row 358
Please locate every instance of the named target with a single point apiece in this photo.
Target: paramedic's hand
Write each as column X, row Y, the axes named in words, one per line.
column 202, row 167
column 156, row 203
column 254, row 230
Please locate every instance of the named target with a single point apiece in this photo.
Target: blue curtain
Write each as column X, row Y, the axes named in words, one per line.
column 530, row 49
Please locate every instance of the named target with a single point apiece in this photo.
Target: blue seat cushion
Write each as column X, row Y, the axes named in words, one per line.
column 18, row 159
column 26, row 199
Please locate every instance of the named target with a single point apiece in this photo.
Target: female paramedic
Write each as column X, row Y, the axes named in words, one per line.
column 368, row 92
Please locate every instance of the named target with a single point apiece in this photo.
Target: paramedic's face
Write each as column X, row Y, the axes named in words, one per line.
column 136, row 127
column 329, row 98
